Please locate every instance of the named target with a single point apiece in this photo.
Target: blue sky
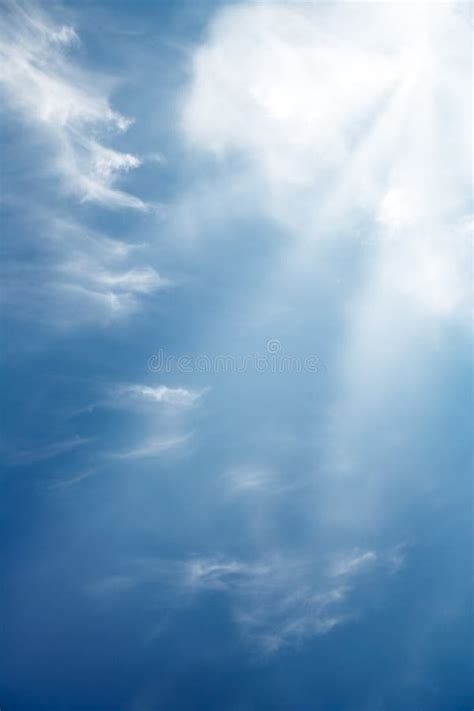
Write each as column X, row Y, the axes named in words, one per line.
column 275, row 199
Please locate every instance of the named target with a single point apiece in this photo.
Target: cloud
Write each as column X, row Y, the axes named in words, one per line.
column 253, row 480
column 275, row 601
column 269, row 82
column 107, row 272
column 153, row 447
column 84, row 276
column 331, row 114
column 347, row 127
column 160, row 394
column 218, row 573
column 133, row 396
column 113, row 292
column 41, row 83
column 81, row 276
column 349, row 565
column 247, row 479
column 82, row 475
column 49, row 451
column 280, row 601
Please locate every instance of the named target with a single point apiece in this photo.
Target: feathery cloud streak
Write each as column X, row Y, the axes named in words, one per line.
column 41, row 81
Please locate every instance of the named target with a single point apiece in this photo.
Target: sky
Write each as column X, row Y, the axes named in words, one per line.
column 236, row 356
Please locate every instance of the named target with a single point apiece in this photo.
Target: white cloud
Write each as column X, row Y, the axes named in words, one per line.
column 118, row 288
column 160, row 394
column 271, row 82
column 341, row 110
column 279, row 601
column 88, row 277
column 351, row 564
column 247, row 480
column 49, row 451
column 275, row 601
column 218, row 573
column 82, row 475
column 40, row 80
column 153, row 447
column 100, row 270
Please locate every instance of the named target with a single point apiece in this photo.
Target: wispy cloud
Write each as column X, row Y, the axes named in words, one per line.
column 41, row 81
column 84, row 474
column 98, row 269
column 83, row 276
column 280, row 601
column 253, row 480
column 159, row 394
column 351, row 564
column 275, row 601
column 87, row 277
column 113, row 293
column 153, row 447
column 48, row 451
column 172, row 402
column 247, row 479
